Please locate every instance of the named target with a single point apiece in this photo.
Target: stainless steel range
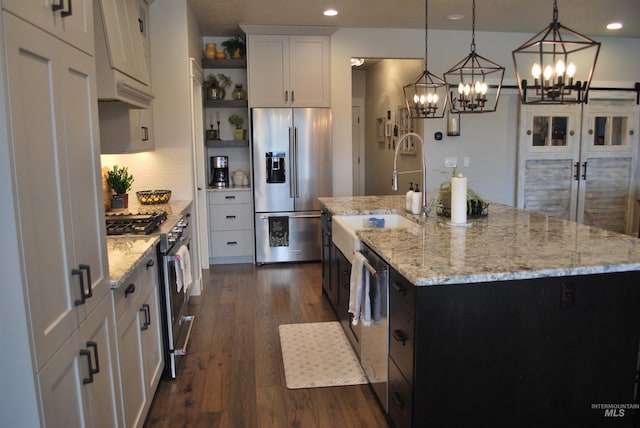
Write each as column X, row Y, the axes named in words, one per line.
column 174, row 293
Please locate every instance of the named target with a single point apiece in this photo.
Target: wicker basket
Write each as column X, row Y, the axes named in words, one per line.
column 153, row 197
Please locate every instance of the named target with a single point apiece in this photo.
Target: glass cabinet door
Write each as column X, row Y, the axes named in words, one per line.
column 609, row 131
column 549, row 131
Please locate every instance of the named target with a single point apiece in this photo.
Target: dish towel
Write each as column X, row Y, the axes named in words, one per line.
column 359, row 301
column 183, row 268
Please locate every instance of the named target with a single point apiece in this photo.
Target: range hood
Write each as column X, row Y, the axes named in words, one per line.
column 122, row 60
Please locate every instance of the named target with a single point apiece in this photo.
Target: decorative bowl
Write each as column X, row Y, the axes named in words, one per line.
column 152, row 197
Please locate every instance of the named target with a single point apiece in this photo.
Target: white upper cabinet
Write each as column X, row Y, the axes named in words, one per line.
column 70, row 20
column 288, row 71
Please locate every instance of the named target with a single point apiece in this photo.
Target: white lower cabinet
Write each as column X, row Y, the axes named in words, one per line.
column 230, row 227
column 137, row 311
column 79, row 384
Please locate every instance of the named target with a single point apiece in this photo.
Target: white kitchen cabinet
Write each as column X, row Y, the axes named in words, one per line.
column 139, row 332
column 579, row 162
column 288, row 71
column 124, row 31
column 80, row 383
column 124, row 129
column 57, row 181
column 230, row 227
column 70, row 20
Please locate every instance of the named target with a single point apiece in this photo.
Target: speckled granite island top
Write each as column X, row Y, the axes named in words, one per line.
column 508, row 244
column 126, row 252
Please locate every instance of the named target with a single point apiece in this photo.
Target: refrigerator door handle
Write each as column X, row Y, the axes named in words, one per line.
column 295, row 146
column 291, row 164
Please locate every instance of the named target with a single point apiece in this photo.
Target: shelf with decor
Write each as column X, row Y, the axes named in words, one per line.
column 224, row 63
column 226, row 103
column 226, row 143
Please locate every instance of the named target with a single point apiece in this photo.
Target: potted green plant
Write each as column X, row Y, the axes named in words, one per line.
column 237, row 121
column 224, row 83
column 119, row 181
column 476, row 206
column 235, row 47
column 211, row 87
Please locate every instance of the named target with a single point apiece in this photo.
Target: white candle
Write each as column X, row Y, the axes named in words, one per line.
column 459, row 199
column 218, row 116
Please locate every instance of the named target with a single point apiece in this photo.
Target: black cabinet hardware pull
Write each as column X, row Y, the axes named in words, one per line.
column 85, row 353
column 576, row 176
column 147, row 319
column 232, row 243
column 397, row 400
column 68, row 12
column 81, row 300
column 399, row 337
column 145, row 133
column 229, row 197
column 398, row 287
column 584, row 170
column 150, row 263
column 141, row 24
column 293, row 96
column 87, row 268
column 96, row 369
column 131, row 288
column 231, row 217
column 57, row 6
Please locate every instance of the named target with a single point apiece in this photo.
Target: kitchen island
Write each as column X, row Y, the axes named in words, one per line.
column 518, row 320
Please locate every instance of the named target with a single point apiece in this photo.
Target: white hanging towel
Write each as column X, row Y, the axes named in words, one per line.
column 183, row 268
column 359, row 302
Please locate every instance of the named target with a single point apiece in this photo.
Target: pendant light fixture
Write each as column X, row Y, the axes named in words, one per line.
column 556, row 65
column 475, row 82
column 427, row 97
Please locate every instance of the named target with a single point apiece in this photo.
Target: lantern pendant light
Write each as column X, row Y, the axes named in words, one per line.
column 427, row 97
column 556, row 65
column 475, row 82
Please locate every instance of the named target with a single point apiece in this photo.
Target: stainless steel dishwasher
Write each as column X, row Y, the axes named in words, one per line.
column 374, row 339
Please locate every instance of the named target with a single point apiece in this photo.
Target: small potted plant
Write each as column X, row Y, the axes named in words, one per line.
column 237, row 121
column 476, row 206
column 119, row 181
column 235, row 47
column 224, row 83
column 211, row 87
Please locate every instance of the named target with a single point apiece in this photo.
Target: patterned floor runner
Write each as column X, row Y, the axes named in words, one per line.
column 317, row 355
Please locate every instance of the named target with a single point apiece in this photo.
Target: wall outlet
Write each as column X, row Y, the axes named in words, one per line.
column 450, row 162
column 466, row 162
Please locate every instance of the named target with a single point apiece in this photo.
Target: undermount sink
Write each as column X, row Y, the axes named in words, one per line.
column 344, row 227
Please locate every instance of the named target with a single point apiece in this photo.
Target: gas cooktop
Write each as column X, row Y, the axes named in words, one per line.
column 133, row 224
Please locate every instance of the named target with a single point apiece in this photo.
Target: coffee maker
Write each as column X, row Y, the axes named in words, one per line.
column 219, row 171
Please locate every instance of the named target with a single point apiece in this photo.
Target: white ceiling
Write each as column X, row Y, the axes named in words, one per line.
column 589, row 17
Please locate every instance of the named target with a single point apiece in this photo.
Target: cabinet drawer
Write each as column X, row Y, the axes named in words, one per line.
column 230, row 217
column 401, row 338
column 400, row 398
column 223, row 198
column 402, row 293
column 231, row 243
column 135, row 287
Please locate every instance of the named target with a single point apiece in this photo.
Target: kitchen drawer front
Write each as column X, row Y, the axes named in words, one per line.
column 224, row 198
column 143, row 278
column 402, row 293
column 230, row 217
column 401, row 338
column 400, row 398
column 232, row 243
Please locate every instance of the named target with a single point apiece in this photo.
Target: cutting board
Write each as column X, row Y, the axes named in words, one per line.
column 106, row 192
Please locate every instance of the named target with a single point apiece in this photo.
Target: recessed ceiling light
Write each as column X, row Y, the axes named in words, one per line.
column 455, row 17
column 330, row 12
column 614, row 26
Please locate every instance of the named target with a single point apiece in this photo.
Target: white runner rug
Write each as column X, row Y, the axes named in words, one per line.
column 317, row 355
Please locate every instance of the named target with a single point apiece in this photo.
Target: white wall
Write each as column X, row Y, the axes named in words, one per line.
column 490, row 140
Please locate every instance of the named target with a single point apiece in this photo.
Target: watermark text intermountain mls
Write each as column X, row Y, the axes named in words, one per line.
column 615, row 410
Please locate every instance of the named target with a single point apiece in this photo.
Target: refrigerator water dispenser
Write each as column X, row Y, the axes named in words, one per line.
column 276, row 172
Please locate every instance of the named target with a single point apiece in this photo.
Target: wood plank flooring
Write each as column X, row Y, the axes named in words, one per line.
column 233, row 375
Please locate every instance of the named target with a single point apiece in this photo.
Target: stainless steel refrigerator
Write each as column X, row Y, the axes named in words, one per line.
column 292, row 166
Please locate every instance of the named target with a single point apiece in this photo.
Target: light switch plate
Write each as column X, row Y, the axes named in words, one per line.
column 450, row 162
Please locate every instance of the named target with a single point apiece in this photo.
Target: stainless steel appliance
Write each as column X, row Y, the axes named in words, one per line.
column 374, row 339
column 219, row 171
column 291, row 169
column 177, row 321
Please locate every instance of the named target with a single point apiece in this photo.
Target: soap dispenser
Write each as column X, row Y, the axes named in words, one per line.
column 409, row 198
column 416, row 203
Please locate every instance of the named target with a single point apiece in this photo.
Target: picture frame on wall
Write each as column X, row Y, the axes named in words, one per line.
column 380, row 129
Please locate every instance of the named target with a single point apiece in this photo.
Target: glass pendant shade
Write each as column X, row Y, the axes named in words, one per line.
column 427, row 97
column 556, row 65
column 475, row 82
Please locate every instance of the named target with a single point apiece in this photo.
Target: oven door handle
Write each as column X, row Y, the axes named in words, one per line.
column 181, row 242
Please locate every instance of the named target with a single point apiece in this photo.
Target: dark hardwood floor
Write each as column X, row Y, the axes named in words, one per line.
column 233, row 375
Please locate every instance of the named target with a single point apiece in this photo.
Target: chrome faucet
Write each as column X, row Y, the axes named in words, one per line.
column 394, row 181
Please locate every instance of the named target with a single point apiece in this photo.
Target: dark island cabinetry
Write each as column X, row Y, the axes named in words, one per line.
column 525, row 353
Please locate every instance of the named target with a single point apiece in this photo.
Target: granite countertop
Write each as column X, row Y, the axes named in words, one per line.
column 508, row 244
column 126, row 252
